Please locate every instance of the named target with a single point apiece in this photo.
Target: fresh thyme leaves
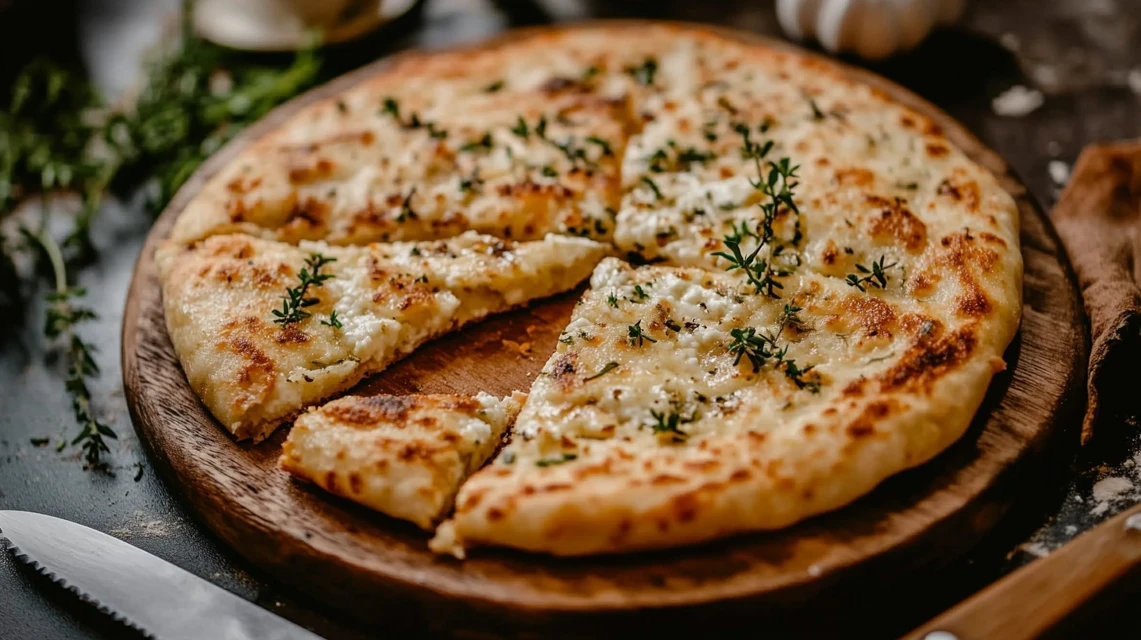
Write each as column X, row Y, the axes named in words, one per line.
column 796, row 374
column 653, row 187
column 602, row 144
column 641, row 293
column 406, row 210
column 681, row 160
column 607, row 368
column 57, row 134
column 293, row 304
column 549, row 172
column 636, row 335
column 520, row 129
column 612, row 300
column 777, row 188
column 644, row 73
column 493, row 87
column 484, row 143
column 874, row 277
column 746, row 343
column 670, row 424
column 575, row 153
column 758, row 271
column 62, row 317
column 759, row 348
column 817, row 114
column 790, row 317
column 550, row 462
column 471, row 184
column 333, row 321
column 391, row 107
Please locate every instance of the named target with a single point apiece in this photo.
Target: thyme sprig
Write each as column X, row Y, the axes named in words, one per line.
column 60, row 323
column 637, row 335
column 644, row 73
column 294, row 302
column 560, row 459
column 670, row 424
column 759, row 348
column 875, row 277
column 777, row 189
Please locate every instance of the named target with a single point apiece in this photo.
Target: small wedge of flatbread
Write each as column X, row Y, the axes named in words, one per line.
column 404, row 456
column 254, row 372
column 681, row 406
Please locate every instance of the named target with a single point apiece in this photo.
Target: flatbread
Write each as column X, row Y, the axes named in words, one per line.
column 404, row 456
column 253, row 373
column 675, row 436
column 832, row 286
column 402, row 160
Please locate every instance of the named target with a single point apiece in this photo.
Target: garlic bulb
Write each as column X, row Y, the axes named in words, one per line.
column 873, row 29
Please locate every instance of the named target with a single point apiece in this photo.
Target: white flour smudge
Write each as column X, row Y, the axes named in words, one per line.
column 1017, row 101
column 1059, row 172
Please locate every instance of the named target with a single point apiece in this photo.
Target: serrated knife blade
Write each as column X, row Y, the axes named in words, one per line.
column 145, row 591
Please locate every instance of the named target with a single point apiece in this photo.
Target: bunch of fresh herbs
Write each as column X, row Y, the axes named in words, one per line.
column 58, row 135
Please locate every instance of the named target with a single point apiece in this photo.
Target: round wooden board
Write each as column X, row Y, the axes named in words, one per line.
column 379, row 569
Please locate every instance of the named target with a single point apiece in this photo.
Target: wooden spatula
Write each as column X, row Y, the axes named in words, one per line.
column 1043, row 594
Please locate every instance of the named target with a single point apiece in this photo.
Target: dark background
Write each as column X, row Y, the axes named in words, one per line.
column 1084, row 56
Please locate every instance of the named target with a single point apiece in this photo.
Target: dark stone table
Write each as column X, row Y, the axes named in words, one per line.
column 1083, row 56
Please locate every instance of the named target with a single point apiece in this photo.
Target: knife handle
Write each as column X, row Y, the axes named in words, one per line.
column 1036, row 598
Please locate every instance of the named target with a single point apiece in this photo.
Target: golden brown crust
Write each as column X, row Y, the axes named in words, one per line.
column 402, row 455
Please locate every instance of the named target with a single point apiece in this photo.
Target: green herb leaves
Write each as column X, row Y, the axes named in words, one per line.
column 550, row 462
column 644, row 73
column 760, row 348
column 607, row 368
column 636, row 335
column 875, row 277
column 669, row 425
column 62, row 317
column 294, row 302
column 777, row 192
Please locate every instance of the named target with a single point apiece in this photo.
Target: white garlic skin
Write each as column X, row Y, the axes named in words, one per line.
column 872, row 29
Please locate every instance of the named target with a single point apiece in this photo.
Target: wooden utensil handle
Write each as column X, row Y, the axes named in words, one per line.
column 1032, row 600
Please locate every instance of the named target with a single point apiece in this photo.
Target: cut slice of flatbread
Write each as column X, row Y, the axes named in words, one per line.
column 404, row 456
column 398, row 162
column 682, row 406
column 223, row 298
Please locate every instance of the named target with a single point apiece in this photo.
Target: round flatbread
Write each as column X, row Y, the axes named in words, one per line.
column 831, row 282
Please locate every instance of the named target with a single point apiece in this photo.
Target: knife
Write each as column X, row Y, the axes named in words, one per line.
column 136, row 588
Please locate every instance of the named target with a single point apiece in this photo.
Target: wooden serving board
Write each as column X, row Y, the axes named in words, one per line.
column 380, row 570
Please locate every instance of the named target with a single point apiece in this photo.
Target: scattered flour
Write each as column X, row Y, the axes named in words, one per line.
column 143, row 527
column 1036, row 549
column 1111, row 488
column 1017, row 101
column 1059, row 172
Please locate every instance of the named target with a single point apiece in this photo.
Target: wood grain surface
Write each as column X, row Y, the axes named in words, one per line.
column 380, row 570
